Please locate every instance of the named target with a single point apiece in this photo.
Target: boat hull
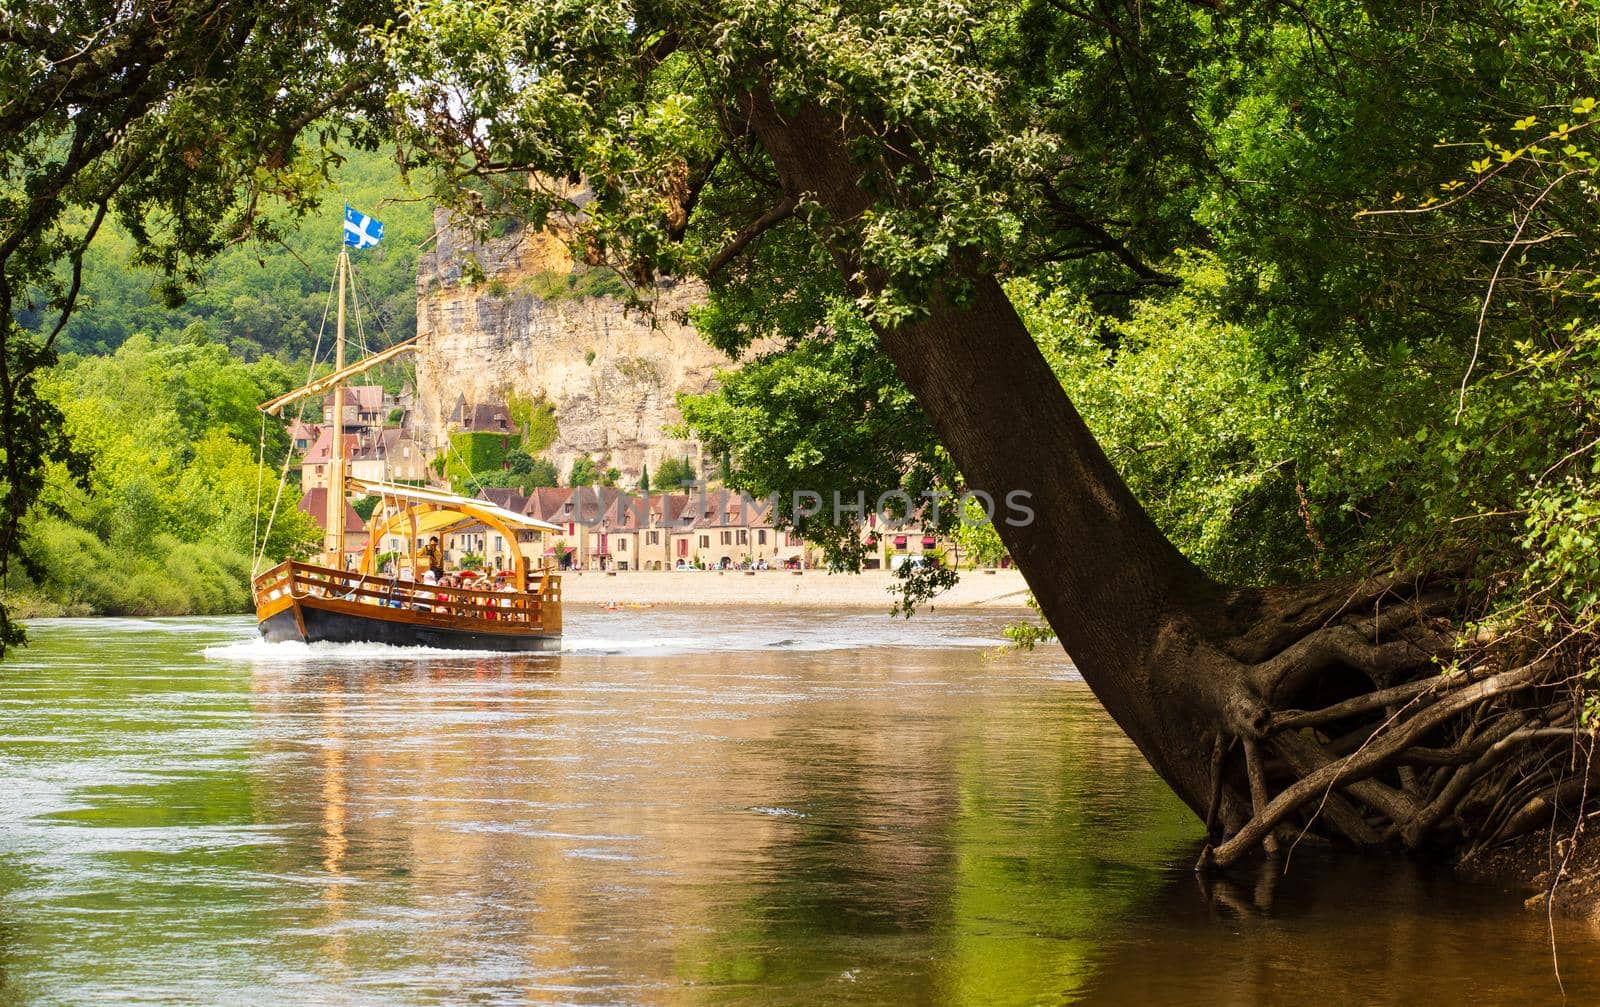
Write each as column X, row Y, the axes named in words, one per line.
column 311, row 624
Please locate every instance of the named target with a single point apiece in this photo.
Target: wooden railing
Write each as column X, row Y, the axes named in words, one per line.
column 537, row 609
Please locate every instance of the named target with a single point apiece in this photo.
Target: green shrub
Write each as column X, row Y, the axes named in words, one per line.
column 536, row 419
column 674, row 472
column 473, row 453
column 584, row 472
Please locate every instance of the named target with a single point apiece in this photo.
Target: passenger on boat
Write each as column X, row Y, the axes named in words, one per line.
column 424, row 599
column 448, row 580
column 505, row 585
column 434, row 556
column 399, row 584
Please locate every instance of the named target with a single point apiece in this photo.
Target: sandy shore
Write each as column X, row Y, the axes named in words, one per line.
column 811, row 589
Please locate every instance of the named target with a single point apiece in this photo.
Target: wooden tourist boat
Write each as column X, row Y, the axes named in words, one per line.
column 323, row 601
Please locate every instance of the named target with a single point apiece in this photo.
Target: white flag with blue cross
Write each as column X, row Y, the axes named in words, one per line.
column 360, row 230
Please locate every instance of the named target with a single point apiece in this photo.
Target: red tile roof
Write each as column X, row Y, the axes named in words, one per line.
column 315, row 503
column 321, row 452
column 505, row 497
column 364, row 398
column 547, row 503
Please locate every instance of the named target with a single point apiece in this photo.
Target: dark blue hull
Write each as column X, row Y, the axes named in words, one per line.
column 338, row 627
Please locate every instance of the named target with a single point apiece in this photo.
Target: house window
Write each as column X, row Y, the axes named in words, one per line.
column 705, row 541
column 761, row 537
column 683, row 547
column 744, row 537
column 652, row 538
column 622, row 545
column 727, row 538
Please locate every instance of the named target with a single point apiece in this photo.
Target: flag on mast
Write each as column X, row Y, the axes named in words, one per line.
column 360, row 230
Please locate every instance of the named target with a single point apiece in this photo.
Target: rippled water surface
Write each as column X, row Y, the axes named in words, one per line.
column 684, row 807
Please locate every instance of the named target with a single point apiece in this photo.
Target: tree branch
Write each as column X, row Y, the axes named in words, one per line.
column 1105, row 241
column 772, row 218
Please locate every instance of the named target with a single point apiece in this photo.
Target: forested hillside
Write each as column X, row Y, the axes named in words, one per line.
column 262, row 298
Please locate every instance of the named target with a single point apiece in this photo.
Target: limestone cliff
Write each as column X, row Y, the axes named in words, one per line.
column 536, row 325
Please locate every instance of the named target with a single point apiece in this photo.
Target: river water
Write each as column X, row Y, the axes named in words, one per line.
column 685, row 807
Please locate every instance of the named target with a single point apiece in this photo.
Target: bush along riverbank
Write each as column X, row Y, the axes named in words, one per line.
column 159, row 516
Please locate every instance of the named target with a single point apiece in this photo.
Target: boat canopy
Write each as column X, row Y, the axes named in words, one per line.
column 443, row 499
column 425, row 511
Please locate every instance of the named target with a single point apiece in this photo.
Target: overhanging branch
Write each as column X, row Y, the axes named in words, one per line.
column 755, row 229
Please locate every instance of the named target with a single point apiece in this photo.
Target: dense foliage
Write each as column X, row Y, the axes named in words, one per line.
column 175, row 503
column 1293, row 383
column 672, row 473
column 474, row 452
column 516, row 469
column 586, row 471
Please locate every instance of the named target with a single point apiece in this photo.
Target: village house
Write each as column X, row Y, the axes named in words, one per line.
column 492, row 546
column 554, row 504
column 655, row 537
column 301, row 435
column 363, row 408
column 480, row 418
column 899, row 545
column 604, row 528
column 316, row 463
column 392, row 455
column 314, row 502
column 592, row 510
column 730, row 530
column 624, row 529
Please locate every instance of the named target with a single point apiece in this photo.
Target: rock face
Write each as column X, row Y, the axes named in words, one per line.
column 536, row 325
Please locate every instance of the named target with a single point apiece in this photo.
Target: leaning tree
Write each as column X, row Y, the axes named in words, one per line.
column 831, row 168
column 856, row 182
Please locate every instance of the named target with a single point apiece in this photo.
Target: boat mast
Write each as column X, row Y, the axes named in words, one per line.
column 336, row 505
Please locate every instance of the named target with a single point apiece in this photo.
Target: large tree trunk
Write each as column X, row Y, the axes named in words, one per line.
column 1112, row 586
column 1204, row 678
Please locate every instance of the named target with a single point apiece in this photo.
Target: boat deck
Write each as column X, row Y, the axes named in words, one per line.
column 313, row 603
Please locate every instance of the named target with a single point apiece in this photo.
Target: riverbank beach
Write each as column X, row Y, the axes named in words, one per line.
column 781, row 588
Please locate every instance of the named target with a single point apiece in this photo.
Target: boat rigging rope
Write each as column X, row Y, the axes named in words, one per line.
column 255, row 533
column 283, row 475
column 390, row 503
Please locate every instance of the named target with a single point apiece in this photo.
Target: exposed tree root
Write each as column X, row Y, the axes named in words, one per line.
column 1355, row 714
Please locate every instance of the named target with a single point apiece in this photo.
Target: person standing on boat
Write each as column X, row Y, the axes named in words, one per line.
column 434, row 556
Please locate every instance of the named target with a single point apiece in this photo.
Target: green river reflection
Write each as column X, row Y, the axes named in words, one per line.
column 695, row 807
